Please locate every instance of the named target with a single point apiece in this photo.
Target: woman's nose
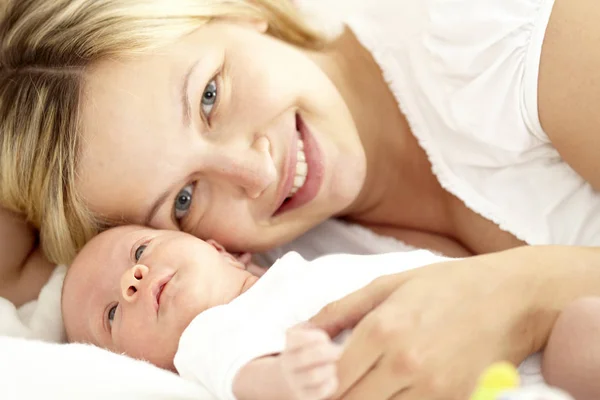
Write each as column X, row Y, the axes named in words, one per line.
column 252, row 169
column 131, row 281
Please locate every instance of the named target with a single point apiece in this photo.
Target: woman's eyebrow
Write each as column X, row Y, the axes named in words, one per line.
column 185, row 96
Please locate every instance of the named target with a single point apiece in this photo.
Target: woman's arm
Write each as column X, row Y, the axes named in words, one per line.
column 429, row 333
column 569, row 85
column 23, row 268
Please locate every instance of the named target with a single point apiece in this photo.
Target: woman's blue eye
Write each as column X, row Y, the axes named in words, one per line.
column 139, row 251
column 183, row 202
column 209, row 98
column 111, row 314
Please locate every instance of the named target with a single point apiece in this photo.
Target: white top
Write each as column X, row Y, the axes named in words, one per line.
column 223, row 339
column 465, row 74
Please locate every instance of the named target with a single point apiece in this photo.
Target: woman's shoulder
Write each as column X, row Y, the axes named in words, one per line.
column 465, row 74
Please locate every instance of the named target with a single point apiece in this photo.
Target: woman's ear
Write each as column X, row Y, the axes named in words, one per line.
column 256, row 24
column 262, row 26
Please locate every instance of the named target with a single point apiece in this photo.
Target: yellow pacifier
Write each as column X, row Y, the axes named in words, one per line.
column 498, row 378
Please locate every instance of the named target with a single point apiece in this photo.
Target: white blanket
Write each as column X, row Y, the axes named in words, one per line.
column 38, row 370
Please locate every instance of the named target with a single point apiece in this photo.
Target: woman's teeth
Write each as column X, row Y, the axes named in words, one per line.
column 301, row 169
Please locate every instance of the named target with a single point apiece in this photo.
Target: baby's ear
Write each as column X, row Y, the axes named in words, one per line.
column 217, row 245
column 238, row 262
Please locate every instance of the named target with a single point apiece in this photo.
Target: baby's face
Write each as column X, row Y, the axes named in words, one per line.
column 134, row 290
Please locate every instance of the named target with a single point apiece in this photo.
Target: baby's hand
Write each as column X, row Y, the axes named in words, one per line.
column 309, row 363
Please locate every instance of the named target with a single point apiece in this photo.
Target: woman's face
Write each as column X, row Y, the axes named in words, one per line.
column 227, row 134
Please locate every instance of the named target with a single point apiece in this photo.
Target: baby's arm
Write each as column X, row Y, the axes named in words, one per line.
column 305, row 370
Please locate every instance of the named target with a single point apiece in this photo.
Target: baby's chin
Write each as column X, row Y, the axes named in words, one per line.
column 167, row 363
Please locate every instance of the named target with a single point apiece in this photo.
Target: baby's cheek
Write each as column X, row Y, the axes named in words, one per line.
column 158, row 349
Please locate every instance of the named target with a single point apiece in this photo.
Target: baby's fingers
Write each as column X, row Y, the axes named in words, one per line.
column 301, row 336
column 317, row 376
column 313, row 356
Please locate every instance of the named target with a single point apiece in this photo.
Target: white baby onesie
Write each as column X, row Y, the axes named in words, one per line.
column 221, row 340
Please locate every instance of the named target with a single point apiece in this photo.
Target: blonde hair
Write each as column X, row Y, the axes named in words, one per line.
column 45, row 48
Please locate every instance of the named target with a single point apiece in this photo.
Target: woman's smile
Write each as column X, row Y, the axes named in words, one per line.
column 304, row 173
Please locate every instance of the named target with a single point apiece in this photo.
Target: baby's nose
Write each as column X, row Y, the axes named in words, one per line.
column 131, row 281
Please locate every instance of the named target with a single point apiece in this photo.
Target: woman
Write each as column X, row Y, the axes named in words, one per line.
column 238, row 122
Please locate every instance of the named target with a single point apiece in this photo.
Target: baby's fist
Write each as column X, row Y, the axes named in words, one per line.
column 309, row 363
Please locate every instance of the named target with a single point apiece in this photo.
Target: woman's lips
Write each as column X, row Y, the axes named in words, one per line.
column 314, row 177
column 289, row 172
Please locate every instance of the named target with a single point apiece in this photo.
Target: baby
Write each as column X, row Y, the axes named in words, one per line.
column 189, row 306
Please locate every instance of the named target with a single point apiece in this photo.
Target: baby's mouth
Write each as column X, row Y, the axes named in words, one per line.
column 159, row 289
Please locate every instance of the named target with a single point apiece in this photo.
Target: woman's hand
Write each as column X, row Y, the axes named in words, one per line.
column 23, row 268
column 428, row 333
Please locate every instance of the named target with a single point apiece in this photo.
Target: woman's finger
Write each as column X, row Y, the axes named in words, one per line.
column 374, row 364
column 431, row 390
column 348, row 311
column 378, row 384
column 364, row 351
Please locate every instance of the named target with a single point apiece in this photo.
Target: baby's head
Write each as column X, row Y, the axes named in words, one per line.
column 134, row 290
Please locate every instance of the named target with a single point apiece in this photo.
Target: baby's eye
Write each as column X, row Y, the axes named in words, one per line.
column 139, row 251
column 111, row 314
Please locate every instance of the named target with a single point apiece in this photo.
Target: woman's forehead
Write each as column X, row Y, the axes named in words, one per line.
column 126, row 133
column 118, row 96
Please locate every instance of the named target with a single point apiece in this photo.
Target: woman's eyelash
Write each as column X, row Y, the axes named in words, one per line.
column 183, row 202
column 210, row 98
